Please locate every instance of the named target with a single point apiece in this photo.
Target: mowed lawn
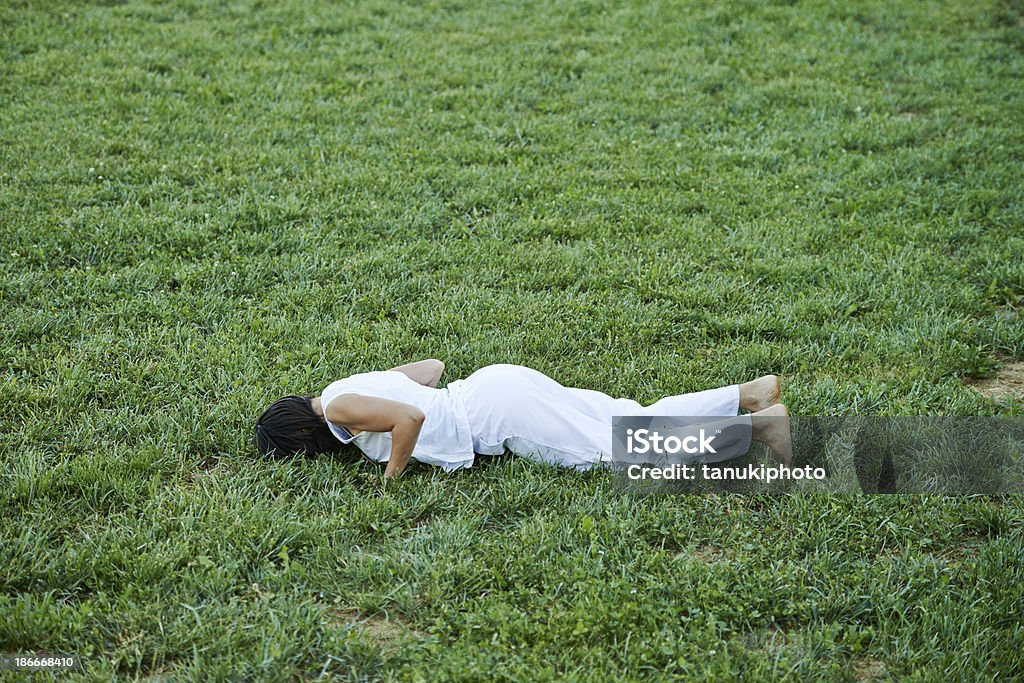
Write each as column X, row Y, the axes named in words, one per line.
column 207, row 205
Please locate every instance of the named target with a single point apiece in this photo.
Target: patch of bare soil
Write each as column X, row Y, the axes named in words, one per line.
column 1007, row 382
column 378, row 627
column 869, row 670
column 704, row 554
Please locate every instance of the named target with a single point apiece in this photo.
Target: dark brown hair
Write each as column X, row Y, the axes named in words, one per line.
column 289, row 427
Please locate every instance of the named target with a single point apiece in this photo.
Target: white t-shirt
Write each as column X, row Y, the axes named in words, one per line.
column 445, row 439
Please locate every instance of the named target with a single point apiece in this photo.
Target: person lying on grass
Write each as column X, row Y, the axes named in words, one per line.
column 398, row 414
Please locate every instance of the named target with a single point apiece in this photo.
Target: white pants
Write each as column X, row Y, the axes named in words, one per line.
column 525, row 411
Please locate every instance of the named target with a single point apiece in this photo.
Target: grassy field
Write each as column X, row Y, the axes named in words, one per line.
column 204, row 206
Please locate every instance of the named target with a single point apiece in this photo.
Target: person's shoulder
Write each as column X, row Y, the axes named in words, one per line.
column 345, row 383
column 361, row 379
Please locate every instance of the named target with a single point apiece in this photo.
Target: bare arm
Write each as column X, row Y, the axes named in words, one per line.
column 370, row 414
column 426, row 372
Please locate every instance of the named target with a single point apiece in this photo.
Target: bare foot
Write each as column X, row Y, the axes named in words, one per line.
column 774, row 431
column 761, row 393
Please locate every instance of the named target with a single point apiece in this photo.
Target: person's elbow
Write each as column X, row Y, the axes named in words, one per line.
column 414, row 416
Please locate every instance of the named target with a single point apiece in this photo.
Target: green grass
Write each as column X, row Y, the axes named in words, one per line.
column 205, row 206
